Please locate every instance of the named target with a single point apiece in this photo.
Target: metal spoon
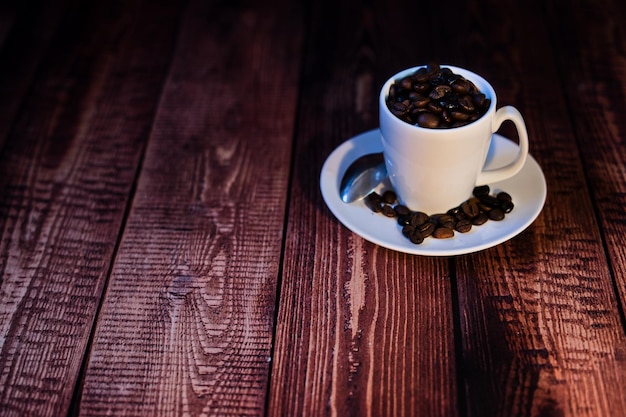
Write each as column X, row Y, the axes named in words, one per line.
column 362, row 177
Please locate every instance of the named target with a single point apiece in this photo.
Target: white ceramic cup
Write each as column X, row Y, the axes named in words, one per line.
column 434, row 170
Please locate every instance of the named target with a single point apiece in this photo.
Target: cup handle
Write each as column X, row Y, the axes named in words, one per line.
column 507, row 171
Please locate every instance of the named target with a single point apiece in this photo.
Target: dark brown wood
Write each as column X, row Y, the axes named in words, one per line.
column 543, row 328
column 361, row 330
column 165, row 250
column 368, row 334
column 594, row 90
column 66, row 174
column 186, row 326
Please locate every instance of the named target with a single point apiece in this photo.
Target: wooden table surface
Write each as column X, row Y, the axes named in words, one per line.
column 165, row 249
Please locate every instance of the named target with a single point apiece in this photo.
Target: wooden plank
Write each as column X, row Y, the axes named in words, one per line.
column 26, row 29
column 186, row 327
column 361, row 330
column 594, row 76
column 66, row 172
column 365, row 332
column 541, row 328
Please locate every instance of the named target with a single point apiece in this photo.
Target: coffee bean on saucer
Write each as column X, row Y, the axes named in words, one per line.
column 426, row 229
column 443, row 233
column 507, row 206
column 470, row 209
column 496, row 214
column 401, row 210
column 374, row 202
column 388, row 210
column 463, row 226
column 504, row 196
column 489, row 200
column 419, row 218
column 403, row 220
column 389, row 197
column 416, row 238
column 444, row 220
column 480, row 219
column 481, row 190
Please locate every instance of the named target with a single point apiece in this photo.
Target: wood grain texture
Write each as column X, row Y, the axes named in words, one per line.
column 186, row 326
column 66, row 173
column 541, row 324
column 165, row 250
column 361, row 330
column 594, row 79
column 365, row 332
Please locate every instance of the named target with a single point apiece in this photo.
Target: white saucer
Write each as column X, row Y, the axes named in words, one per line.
column 528, row 189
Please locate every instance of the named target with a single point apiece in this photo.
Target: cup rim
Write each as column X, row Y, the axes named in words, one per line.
column 490, row 93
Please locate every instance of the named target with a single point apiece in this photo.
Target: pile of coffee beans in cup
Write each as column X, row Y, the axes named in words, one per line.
column 417, row 225
column 435, row 97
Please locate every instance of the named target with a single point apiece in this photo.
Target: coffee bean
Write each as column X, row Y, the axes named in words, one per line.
column 480, row 219
column 403, row 220
column 421, row 75
column 478, row 99
column 444, row 220
column 459, row 116
column 496, row 214
column 439, row 92
column 398, row 108
column 507, row 206
column 460, row 86
column 503, row 195
column 466, row 104
column 408, row 230
column 406, row 83
column 416, row 238
column 374, row 202
column 450, row 103
column 481, row 190
column 426, row 229
column 420, row 101
column 421, row 87
column 445, row 116
column 388, row 211
column 432, row 68
column 434, row 107
column 489, row 200
column 463, row 226
column 428, row 120
column 402, row 211
column 470, row 208
column 389, row 197
column 393, row 94
column 419, row 218
column 457, row 213
column 443, row 233
column 414, row 114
